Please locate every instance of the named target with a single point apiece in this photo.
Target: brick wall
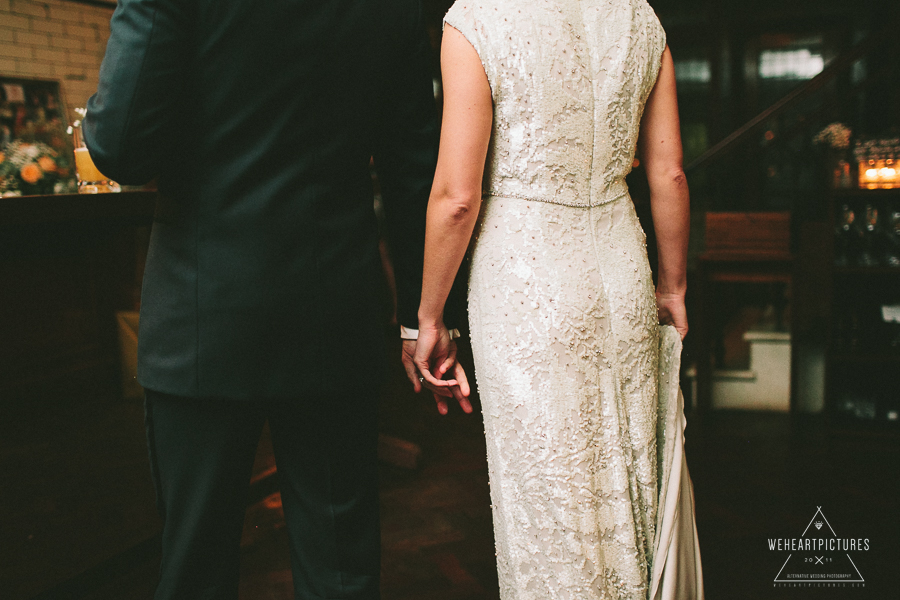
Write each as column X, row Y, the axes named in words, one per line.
column 54, row 39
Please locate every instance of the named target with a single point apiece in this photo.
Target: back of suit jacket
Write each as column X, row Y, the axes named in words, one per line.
column 260, row 118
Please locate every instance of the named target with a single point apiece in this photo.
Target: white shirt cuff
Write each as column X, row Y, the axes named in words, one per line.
column 407, row 333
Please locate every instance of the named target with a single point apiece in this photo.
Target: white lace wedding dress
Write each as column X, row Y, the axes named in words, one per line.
column 578, row 384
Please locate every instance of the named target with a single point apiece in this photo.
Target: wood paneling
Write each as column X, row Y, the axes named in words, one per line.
column 748, row 235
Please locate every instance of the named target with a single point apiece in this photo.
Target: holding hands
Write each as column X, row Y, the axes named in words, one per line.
column 428, row 359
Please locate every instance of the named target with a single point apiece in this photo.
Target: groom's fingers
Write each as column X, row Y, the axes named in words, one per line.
column 407, row 357
column 464, row 403
column 413, row 375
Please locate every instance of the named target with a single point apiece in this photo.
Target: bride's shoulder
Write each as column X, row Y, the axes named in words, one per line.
column 477, row 14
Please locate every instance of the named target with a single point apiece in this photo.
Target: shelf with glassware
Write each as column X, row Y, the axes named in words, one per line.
column 863, row 353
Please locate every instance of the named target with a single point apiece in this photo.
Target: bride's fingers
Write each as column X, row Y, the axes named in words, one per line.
column 448, row 361
column 432, row 380
column 461, row 391
column 446, row 365
column 440, row 390
column 459, row 374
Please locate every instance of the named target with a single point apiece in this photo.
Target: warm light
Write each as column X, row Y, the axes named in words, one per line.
column 874, row 174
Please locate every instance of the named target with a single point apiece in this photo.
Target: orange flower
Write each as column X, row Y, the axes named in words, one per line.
column 2, row 157
column 47, row 163
column 31, row 173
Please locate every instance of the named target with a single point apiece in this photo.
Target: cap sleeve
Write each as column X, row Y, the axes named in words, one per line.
column 657, row 45
column 463, row 17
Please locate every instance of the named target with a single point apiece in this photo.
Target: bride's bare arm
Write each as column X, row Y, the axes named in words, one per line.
column 455, row 199
column 456, row 192
column 660, row 147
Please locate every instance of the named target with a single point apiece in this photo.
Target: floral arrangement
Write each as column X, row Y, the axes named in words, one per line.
column 835, row 136
column 38, row 161
column 31, row 168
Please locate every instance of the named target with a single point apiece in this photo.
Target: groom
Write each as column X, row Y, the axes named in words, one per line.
column 259, row 299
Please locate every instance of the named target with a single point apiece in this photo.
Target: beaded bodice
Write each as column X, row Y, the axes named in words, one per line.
column 569, row 79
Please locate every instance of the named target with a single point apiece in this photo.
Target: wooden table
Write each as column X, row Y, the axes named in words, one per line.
column 67, row 263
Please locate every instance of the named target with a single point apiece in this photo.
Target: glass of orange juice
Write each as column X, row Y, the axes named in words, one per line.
column 90, row 179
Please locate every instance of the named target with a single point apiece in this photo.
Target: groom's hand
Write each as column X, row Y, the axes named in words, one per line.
column 407, row 355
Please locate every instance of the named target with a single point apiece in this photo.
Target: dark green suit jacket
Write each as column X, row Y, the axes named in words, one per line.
column 259, row 119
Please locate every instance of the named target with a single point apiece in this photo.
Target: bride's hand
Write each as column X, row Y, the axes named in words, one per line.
column 407, row 355
column 435, row 357
column 671, row 311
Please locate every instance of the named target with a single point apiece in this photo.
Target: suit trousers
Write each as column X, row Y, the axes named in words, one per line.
column 201, row 455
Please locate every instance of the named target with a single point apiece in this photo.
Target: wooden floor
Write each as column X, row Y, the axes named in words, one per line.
column 77, row 504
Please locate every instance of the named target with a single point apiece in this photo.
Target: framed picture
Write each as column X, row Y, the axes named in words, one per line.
column 36, row 153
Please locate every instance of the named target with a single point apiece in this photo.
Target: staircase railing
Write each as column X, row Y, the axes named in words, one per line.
column 837, row 67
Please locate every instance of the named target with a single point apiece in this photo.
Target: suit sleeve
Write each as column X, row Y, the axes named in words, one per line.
column 132, row 119
column 405, row 153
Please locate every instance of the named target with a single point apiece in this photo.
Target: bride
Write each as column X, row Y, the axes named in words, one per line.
column 578, row 381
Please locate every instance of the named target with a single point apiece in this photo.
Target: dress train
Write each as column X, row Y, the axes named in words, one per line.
column 677, row 572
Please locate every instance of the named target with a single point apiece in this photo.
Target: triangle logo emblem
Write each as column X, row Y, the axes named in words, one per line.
column 819, row 558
